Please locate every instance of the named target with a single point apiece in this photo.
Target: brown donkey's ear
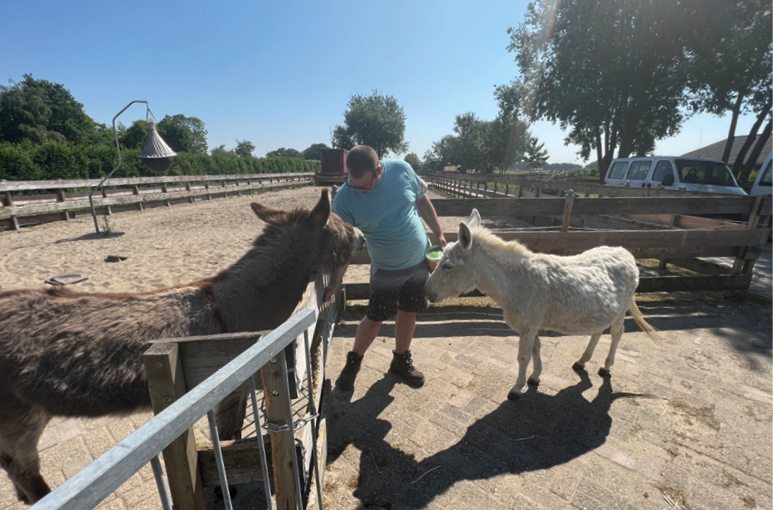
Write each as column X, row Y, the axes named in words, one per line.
column 321, row 212
column 263, row 212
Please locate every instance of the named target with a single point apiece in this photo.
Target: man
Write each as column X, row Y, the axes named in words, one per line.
column 386, row 200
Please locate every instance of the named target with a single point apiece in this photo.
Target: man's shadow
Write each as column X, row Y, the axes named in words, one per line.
column 538, row 431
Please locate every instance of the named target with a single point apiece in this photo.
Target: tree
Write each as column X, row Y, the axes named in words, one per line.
column 313, row 151
column 607, row 70
column 134, row 136
column 284, row 153
column 730, row 67
column 244, row 148
column 40, row 110
column 535, row 156
column 183, row 134
column 375, row 120
column 413, row 160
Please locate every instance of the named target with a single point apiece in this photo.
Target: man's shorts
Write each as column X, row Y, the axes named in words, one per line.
column 397, row 290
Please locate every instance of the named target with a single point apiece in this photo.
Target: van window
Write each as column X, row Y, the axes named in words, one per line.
column 639, row 170
column 704, row 172
column 618, row 170
column 662, row 169
column 765, row 180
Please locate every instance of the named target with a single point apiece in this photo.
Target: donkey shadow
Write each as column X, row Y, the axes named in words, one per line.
column 537, row 432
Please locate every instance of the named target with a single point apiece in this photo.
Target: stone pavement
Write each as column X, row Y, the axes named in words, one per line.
column 691, row 422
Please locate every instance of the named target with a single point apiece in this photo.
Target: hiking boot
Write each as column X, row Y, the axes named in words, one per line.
column 402, row 365
column 345, row 381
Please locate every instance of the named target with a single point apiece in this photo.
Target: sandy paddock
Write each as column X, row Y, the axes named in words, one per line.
column 164, row 246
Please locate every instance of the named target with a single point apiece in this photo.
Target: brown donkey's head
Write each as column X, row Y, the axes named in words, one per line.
column 325, row 240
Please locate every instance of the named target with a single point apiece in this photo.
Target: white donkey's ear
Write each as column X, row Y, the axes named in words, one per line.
column 474, row 220
column 465, row 236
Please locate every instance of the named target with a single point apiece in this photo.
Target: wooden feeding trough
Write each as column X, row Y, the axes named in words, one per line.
column 175, row 366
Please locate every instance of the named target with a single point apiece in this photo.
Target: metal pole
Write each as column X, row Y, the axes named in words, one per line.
column 291, row 431
column 219, row 460
column 118, row 148
column 158, row 474
column 315, row 422
column 261, row 446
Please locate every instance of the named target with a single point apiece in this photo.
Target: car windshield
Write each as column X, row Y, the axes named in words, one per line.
column 704, row 172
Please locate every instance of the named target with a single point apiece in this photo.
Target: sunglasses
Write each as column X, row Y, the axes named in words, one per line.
column 362, row 188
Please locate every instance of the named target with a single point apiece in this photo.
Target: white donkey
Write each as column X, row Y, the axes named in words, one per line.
column 580, row 294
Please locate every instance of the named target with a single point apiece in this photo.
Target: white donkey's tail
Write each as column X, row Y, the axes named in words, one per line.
column 644, row 325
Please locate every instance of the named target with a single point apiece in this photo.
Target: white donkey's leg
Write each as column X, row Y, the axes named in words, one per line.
column 586, row 356
column 617, row 333
column 537, row 368
column 524, row 356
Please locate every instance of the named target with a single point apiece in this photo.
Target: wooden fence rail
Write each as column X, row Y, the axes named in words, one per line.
column 20, row 207
column 723, row 239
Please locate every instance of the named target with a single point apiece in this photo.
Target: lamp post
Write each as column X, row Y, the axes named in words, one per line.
column 156, row 154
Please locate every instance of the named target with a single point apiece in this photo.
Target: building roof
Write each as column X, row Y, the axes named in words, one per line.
column 715, row 150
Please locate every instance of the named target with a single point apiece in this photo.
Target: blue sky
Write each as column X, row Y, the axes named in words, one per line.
column 280, row 74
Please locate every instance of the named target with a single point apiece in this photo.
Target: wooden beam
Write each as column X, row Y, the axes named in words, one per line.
column 166, row 384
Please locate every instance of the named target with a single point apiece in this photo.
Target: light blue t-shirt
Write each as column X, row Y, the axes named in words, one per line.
column 388, row 217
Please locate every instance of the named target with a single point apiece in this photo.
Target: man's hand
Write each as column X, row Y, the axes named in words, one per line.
column 440, row 240
column 335, row 281
column 330, row 291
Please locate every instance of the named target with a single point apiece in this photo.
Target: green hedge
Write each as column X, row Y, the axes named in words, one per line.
column 29, row 161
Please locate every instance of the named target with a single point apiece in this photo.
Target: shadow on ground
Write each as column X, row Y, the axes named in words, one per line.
column 537, row 432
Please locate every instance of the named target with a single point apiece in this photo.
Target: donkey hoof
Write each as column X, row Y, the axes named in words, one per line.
column 513, row 395
column 603, row 372
column 578, row 368
column 532, row 382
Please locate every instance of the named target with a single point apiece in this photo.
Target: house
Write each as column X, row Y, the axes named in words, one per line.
column 715, row 151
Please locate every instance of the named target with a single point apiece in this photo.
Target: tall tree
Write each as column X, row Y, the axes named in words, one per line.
column 413, row 159
column 183, row 134
column 40, row 110
column 244, row 148
column 606, row 70
column 284, row 153
column 375, row 120
column 134, row 136
column 535, row 155
column 313, row 151
column 730, row 54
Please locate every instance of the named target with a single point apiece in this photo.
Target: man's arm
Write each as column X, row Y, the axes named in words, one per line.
column 335, row 281
column 428, row 214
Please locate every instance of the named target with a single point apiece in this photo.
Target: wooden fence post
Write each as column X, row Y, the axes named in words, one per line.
column 566, row 219
column 137, row 192
column 8, row 202
column 282, row 443
column 165, row 190
column 741, row 265
column 61, row 198
column 166, row 384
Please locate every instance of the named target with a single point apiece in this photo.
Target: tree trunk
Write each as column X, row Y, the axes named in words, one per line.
column 600, row 157
column 731, row 132
column 747, row 168
column 738, row 164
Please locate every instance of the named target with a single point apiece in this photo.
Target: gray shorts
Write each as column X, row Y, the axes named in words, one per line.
column 397, row 290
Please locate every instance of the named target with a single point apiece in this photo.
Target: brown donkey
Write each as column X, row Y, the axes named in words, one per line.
column 66, row 353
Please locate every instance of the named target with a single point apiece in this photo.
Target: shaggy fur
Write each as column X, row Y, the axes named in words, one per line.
column 580, row 294
column 69, row 353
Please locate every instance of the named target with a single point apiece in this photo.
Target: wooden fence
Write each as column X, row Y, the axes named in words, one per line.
column 741, row 242
column 62, row 200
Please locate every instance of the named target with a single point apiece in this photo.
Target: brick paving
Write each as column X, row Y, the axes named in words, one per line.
column 692, row 421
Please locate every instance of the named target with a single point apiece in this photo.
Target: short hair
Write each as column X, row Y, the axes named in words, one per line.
column 361, row 160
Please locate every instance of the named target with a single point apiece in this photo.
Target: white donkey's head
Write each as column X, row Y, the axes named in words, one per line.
column 454, row 275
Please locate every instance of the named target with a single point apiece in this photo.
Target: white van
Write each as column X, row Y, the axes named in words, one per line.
column 762, row 182
column 690, row 174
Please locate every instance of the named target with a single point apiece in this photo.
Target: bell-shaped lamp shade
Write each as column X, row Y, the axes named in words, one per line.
column 156, row 154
